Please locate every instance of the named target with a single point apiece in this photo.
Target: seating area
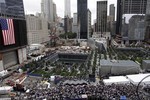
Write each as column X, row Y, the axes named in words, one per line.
column 80, row 89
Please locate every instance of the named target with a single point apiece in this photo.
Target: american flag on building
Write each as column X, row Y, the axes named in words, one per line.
column 7, row 28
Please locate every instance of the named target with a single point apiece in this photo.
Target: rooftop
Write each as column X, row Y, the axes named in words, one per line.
column 73, row 49
column 147, row 61
column 118, row 63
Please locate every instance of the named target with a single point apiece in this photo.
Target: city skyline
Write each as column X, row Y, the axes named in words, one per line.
column 31, row 7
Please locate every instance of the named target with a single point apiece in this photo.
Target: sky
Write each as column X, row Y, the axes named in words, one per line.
column 33, row 6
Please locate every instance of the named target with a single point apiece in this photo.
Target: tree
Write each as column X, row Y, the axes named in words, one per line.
column 69, row 35
column 46, row 69
column 62, row 36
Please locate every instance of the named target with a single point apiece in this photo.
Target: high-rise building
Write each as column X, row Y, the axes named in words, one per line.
column 12, row 8
column 136, row 28
column 128, row 7
column 147, row 22
column 47, row 10
column 112, row 11
column 54, row 12
column 67, row 17
column 119, row 17
column 110, row 20
column 82, row 18
column 133, row 34
column 13, row 35
column 67, row 8
column 89, row 24
column 75, row 18
column 101, row 16
column 94, row 26
column 37, row 29
column 74, row 24
column 67, row 24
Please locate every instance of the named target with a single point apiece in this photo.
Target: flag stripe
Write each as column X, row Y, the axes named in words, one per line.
column 11, row 25
column 13, row 37
column 8, row 31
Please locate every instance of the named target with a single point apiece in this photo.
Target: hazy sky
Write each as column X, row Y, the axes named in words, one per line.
column 33, row 6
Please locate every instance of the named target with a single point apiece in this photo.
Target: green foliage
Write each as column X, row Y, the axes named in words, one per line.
column 46, row 69
column 69, row 35
column 39, row 71
column 62, row 36
column 105, row 55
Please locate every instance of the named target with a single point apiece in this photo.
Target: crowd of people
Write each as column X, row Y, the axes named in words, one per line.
column 88, row 91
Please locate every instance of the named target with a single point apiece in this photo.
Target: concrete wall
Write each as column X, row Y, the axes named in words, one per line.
column 1, row 65
column 37, row 29
column 22, row 55
column 146, row 64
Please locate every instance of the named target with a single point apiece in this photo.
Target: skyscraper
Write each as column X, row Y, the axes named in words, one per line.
column 37, row 29
column 12, row 8
column 67, row 8
column 119, row 17
column 67, row 24
column 13, row 33
column 101, row 16
column 82, row 18
column 74, row 24
column 89, row 30
column 47, row 10
column 147, row 22
column 54, row 12
column 111, row 18
column 67, row 17
column 112, row 11
column 136, row 28
column 129, row 7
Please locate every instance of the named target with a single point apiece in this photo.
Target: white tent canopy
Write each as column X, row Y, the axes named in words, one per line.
column 52, row 78
column 5, row 89
column 3, row 73
column 116, row 80
column 136, row 78
column 84, row 96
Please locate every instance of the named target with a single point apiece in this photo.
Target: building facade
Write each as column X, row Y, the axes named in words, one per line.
column 67, row 24
column 54, row 12
column 147, row 22
column 47, row 10
column 112, row 11
column 89, row 24
column 67, row 8
column 67, row 17
column 37, row 30
column 82, row 19
column 119, row 17
column 128, row 7
column 12, row 8
column 12, row 52
column 74, row 24
column 110, row 20
column 101, row 16
column 136, row 28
